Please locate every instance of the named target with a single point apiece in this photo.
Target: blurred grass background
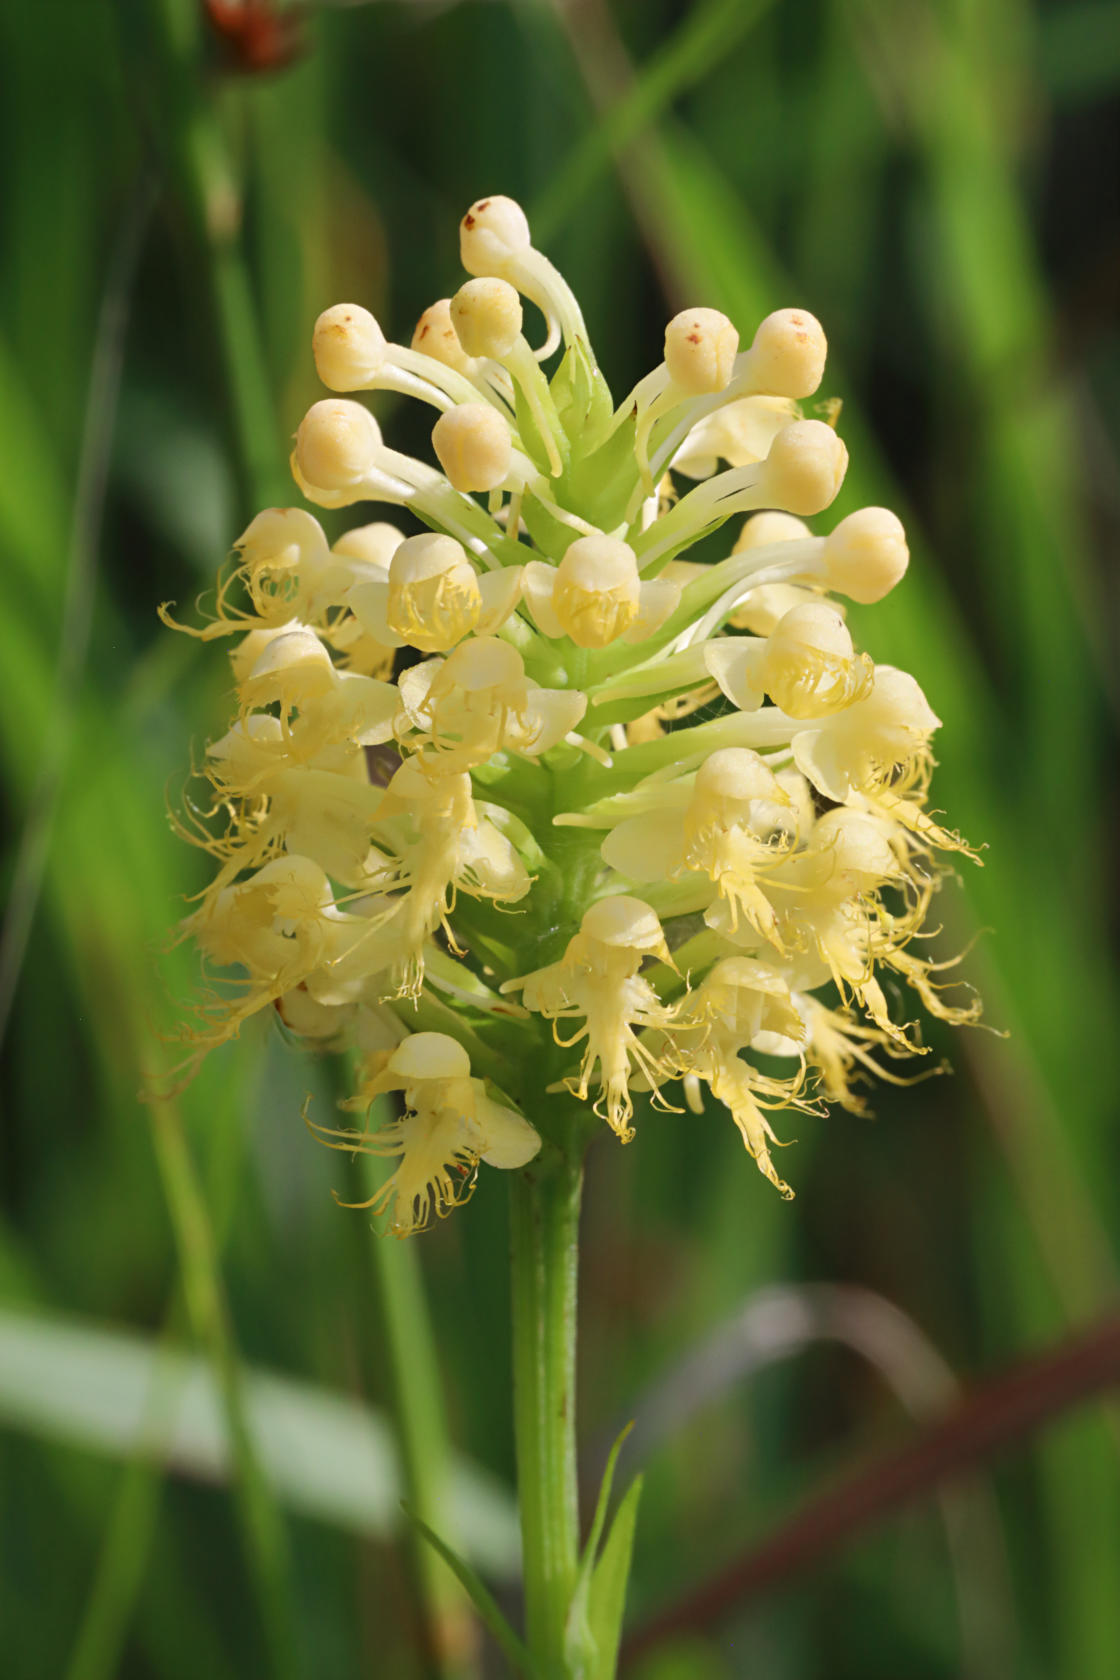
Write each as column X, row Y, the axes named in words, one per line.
column 936, row 181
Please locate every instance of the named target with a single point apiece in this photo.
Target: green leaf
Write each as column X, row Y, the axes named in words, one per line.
column 583, row 401
column 609, row 1582
column 480, row 1596
column 326, row 1454
column 581, row 1646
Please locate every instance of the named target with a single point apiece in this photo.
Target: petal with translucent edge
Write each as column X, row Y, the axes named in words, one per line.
column 658, row 599
column 506, row 1138
column 414, row 685
column 500, row 593
column 492, row 865
column 364, row 709
column 551, row 713
column 646, row 848
column 369, row 602
column 735, row 662
column 816, row 756
column 537, row 585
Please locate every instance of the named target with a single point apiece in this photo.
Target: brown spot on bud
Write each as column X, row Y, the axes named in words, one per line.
column 468, row 220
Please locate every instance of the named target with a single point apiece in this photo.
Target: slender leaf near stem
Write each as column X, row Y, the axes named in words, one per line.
column 418, row 1414
column 480, row 1596
column 265, row 1536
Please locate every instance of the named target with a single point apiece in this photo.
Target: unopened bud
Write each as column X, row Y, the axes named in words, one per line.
column 348, row 346
column 788, row 354
column 761, row 529
column 805, row 467
column 435, row 336
column 492, row 231
column 336, row 444
column 700, row 350
column 474, row 447
column 866, row 555
column 487, row 315
column 597, row 590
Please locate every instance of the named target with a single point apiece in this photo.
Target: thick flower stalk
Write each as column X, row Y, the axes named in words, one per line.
column 538, row 811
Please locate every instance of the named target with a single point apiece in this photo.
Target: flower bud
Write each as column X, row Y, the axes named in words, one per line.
column 810, row 667
column 700, row 350
column 336, row 444
column 597, row 590
column 373, row 544
column 761, row 529
column 434, row 598
column 805, row 467
column 788, row 354
column 487, row 315
column 435, row 336
column 473, row 445
column 348, row 346
column 492, row 231
column 866, row 555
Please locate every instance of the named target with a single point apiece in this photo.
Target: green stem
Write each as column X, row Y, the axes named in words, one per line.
column 544, row 1239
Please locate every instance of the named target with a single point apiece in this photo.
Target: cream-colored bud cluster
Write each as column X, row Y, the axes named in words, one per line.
column 529, row 808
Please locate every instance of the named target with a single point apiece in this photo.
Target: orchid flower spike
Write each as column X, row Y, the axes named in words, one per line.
column 539, row 808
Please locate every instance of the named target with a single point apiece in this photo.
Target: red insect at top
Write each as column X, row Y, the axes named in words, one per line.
column 256, row 34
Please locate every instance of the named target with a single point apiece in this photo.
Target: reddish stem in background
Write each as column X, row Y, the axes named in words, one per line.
column 1002, row 1409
